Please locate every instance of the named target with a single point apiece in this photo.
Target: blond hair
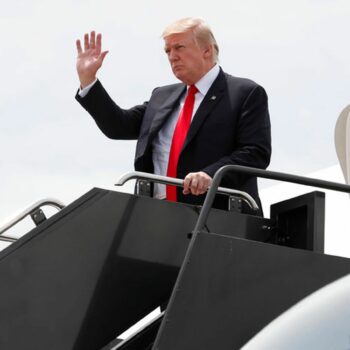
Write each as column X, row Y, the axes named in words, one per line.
column 201, row 32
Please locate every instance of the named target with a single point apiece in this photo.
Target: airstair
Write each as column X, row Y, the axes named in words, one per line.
column 99, row 265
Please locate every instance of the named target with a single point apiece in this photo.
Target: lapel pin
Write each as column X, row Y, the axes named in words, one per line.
column 213, row 98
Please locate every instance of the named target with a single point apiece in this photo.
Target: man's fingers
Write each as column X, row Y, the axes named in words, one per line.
column 86, row 41
column 79, row 49
column 191, row 183
column 99, row 42
column 102, row 56
column 202, row 188
column 197, row 183
column 194, row 184
column 92, row 40
column 199, row 188
column 186, row 184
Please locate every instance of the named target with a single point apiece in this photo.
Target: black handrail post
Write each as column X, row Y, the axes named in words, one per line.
column 209, row 199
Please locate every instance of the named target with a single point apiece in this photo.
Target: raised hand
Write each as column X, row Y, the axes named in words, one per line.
column 90, row 59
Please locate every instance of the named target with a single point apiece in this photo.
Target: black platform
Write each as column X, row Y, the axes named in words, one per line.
column 94, row 269
column 104, row 262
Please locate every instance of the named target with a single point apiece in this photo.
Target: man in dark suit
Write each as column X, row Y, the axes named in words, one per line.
column 230, row 121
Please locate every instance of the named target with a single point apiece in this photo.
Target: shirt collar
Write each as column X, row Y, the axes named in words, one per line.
column 204, row 84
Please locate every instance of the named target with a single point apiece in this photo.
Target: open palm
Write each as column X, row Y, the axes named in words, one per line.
column 90, row 59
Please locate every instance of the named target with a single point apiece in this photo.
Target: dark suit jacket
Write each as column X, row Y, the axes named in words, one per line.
column 231, row 126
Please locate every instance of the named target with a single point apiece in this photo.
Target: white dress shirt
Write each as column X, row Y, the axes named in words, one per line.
column 84, row 91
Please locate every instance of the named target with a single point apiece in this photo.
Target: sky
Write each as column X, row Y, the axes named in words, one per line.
column 50, row 147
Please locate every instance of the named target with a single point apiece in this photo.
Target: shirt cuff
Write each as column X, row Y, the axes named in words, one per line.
column 83, row 92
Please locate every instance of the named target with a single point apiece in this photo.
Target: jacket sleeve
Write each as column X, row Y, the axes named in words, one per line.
column 113, row 121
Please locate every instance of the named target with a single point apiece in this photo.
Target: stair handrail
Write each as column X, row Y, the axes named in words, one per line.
column 7, row 239
column 179, row 183
column 28, row 211
column 267, row 174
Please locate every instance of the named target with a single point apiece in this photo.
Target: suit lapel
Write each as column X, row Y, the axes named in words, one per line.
column 210, row 100
column 165, row 110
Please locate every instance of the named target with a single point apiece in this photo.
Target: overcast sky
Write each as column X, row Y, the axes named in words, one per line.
column 297, row 50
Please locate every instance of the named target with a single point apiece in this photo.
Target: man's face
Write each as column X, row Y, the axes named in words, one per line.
column 188, row 62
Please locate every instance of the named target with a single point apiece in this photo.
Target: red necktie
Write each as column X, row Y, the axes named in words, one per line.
column 179, row 136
